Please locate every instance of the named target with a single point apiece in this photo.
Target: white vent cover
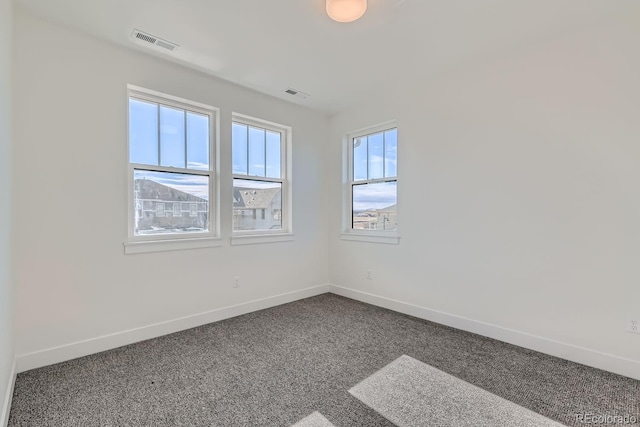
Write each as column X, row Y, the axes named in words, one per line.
column 297, row 93
column 156, row 41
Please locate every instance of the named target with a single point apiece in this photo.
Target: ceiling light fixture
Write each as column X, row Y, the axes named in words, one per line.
column 346, row 10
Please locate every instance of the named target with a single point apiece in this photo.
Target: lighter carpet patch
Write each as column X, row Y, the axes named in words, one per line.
column 410, row 393
column 314, row 420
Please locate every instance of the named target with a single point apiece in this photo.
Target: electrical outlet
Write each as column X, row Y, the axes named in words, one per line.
column 633, row 325
column 236, row 282
column 369, row 275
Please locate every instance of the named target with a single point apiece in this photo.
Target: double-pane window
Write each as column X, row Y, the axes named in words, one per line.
column 259, row 176
column 373, row 181
column 171, row 142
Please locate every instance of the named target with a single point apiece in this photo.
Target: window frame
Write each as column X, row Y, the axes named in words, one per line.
column 285, row 233
column 187, row 240
column 348, row 232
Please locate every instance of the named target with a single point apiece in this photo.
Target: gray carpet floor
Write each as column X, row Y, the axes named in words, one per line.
column 275, row 367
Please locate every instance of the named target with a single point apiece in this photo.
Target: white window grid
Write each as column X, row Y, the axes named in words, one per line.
column 285, row 172
column 351, row 182
column 142, row 94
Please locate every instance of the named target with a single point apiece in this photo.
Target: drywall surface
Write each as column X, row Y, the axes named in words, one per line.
column 6, row 282
column 518, row 199
column 74, row 281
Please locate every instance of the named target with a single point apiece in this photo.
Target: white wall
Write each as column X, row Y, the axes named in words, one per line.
column 519, row 195
column 6, row 291
column 74, row 281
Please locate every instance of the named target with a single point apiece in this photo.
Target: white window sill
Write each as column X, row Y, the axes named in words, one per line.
column 144, row 246
column 390, row 239
column 252, row 239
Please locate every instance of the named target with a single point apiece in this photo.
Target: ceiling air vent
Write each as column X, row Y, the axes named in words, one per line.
column 297, row 93
column 148, row 38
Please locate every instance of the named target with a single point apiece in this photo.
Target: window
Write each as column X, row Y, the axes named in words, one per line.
column 159, row 209
column 171, row 174
column 261, row 196
column 373, row 181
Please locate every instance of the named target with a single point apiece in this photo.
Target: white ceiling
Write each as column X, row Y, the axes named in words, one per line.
column 270, row 45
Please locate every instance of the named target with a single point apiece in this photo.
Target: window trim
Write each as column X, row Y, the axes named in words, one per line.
column 286, row 232
column 348, row 232
column 166, row 242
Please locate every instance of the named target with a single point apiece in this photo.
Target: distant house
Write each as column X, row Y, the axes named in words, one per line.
column 160, row 208
column 257, row 208
column 376, row 219
column 387, row 218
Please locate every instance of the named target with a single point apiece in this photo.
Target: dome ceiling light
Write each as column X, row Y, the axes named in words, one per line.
column 346, row 10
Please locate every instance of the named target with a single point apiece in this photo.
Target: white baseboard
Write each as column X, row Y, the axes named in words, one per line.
column 6, row 405
column 585, row 356
column 74, row 350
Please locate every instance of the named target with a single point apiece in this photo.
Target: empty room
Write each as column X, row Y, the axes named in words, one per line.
column 319, row 213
